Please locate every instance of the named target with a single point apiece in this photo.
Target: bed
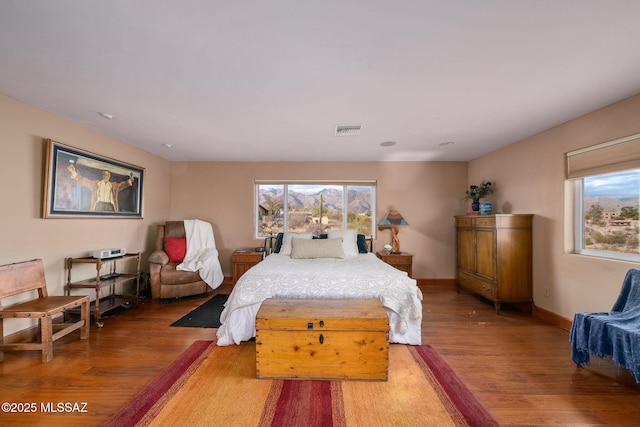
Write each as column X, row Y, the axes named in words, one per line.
column 326, row 274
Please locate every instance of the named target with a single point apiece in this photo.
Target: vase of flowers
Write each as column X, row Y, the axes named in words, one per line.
column 477, row 192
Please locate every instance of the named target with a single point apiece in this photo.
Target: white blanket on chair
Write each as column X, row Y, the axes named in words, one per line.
column 202, row 255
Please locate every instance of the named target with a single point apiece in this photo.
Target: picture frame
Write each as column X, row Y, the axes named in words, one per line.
column 81, row 184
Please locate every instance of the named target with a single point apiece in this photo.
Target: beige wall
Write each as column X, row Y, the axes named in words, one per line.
column 25, row 235
column 427, row 194
column 529, row 178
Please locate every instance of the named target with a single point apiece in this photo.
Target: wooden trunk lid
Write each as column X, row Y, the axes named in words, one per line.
column 347, row 314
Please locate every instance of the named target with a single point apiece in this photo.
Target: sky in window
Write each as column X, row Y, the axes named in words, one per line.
column 619, row 184
column 312, row 189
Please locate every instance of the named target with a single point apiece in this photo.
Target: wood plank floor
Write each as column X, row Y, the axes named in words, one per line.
column 518, row 367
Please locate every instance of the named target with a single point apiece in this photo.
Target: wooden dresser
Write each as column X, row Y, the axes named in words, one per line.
column 494, row 257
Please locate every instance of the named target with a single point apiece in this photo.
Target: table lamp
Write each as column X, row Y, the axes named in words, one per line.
column 394, row 220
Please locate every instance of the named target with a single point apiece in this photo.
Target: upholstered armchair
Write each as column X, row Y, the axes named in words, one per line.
column 166, row 281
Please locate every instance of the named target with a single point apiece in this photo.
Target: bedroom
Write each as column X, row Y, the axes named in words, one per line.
column 428, row 208
column 26, row 236
column 529, row 174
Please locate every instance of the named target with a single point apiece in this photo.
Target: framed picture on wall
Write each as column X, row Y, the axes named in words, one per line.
column 80, row 184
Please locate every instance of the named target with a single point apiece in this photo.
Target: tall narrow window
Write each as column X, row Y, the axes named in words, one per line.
column 270, row 209
column 315, row 206
column 359, row 209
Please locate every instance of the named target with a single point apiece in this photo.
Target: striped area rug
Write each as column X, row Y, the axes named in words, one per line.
column 211, row 385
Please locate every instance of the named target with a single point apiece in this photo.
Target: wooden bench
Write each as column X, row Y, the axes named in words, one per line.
column 29, row 276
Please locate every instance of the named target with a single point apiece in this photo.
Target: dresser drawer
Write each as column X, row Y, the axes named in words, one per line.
column 479, row 286
column 484, row 222
column 463, row 222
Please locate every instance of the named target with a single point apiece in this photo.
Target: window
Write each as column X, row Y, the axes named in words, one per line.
column 607, row 192
column 315, row 206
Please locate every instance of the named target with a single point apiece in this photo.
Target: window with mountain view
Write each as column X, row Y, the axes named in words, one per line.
column 315, row 207
column 607, row 217
column 606, row 179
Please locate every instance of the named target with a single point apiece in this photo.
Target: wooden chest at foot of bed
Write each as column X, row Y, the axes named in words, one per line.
column 322, row 339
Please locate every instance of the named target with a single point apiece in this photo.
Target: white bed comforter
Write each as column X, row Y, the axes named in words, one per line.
column 364, row 276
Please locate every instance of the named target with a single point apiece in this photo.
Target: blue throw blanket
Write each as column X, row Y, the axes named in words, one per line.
column 615, row 334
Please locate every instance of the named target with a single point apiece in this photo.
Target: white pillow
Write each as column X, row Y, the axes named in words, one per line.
column 349, row 241
column 316, row 248
column 285, row 249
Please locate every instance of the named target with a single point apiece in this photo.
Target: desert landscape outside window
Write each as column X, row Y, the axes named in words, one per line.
column 315, row 207
column 608, row 223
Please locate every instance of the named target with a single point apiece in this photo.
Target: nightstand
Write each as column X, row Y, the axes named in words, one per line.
column 242, row 260
column 402, row 261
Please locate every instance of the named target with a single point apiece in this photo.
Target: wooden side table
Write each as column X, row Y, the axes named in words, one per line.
column 242, row 260
column 402, row 261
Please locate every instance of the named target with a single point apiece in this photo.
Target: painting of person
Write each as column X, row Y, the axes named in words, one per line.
column 104, row 191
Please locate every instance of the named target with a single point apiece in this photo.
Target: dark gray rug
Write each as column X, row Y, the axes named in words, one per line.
column 206, row 315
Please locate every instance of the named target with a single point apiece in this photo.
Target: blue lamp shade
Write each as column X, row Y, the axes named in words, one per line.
column 393, row 219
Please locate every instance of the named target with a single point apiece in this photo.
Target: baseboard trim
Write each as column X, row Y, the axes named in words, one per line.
column 551, row 317
column 433, row 282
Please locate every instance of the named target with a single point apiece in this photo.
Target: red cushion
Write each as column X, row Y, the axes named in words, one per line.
column 176, row 248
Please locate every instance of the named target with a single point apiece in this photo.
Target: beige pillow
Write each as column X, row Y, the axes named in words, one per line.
column 316, row 248
column 286, row 240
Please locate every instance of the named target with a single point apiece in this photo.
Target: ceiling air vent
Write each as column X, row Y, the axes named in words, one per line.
column 352, row 130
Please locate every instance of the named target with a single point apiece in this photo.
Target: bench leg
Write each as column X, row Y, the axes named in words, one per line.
column 85, row 316
column 1, row 338
column 46, row 338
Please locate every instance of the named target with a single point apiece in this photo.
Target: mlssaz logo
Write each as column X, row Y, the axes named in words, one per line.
column 80, row 407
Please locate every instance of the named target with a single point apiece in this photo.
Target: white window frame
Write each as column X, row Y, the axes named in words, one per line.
column 608, row 157
column 579, row 225
column 343, row 183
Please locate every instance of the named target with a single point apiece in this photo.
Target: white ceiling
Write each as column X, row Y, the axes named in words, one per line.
column 269, row 80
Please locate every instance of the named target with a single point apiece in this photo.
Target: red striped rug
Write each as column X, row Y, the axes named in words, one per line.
column 210, row 384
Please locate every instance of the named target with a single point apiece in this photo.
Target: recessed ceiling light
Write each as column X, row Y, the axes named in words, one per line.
column 446, row 143
column 388, row 143
column 167, row 145
column 107, row 116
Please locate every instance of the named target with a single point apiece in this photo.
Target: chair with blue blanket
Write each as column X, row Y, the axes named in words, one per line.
column 615, row 334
